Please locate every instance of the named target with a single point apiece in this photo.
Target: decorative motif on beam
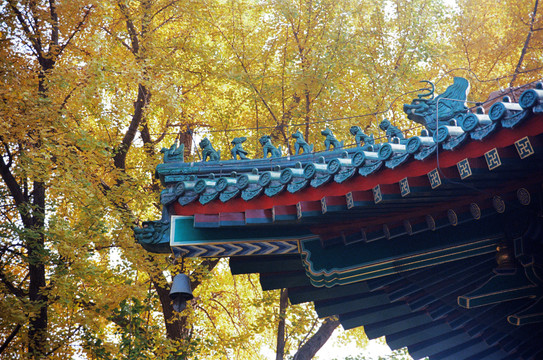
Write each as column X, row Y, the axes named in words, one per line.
column 492, row 159
column 435, row 179
column 453, row 218
column 365, row 271
column 367, row 260
column 464, row 169
column 404, row 187
column 377, row 195
column 190, row 237
column 475, row 211
column 523, row 196
column 499, row 204
column 241, row 249
column 524, row 147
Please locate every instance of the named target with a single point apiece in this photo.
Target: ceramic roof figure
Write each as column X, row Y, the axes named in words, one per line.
column 174, row 153
column 361, row 139
column 301, row 143
column 331, row 140
column 208, row 152
column 238, row 150
column 435, row 112
column 268, row 148
column 391, row 130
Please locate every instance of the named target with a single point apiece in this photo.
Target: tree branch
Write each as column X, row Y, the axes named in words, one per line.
column 15, row 191
column 122, row 149
column 526, row 43
column 76, row 30
column 33, row 38
column 9, row 338
column 281, row 341
column 54, row 27
column 132, row 32
column 310, row 348
column 19, row 293
column 117, row 38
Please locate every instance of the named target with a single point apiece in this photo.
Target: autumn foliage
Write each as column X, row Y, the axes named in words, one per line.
column 91, row 90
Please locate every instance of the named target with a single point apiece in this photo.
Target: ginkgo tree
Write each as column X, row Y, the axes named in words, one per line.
column 91, row 90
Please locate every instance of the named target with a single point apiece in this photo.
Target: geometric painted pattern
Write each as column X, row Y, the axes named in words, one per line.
column 464, row 169
column 404, row 187
column 523, row 196
column 524, row 147
column 499, row 204
column 434, row 178
column 492, row 159
column 377, row 195
column 240, row 249
column 350, row 200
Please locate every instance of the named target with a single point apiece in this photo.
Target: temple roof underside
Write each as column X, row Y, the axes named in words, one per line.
column 434, row 241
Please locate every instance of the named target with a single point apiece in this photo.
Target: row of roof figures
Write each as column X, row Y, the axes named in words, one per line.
column 427, row 110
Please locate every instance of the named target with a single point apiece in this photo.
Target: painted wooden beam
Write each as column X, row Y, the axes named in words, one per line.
column 501, row 287
column 284, row 213
column 330, row 204
column 348, row 304
column 263, row 264
column 362, row 261
column 530, row 315
column 299, row 295
column 258, row 216
column 307, row 209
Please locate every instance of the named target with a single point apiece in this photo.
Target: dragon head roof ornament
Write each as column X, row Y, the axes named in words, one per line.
column 433, row 112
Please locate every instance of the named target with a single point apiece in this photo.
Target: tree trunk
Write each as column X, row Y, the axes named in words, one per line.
column 176, row 327
column 37, row 332
column 310, row 348
column 281, row 341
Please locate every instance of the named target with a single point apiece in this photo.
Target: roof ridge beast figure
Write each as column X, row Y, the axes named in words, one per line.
column 208, row 151
column 301, row 143
column 331, row 140
column 268, row 148
column 435, row 112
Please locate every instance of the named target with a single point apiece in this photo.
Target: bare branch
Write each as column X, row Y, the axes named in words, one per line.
column 19, row 293
column 526, row 43
column 54, row 27
column 78, row 28
column 122, row 149
column 9, row 338
column 32, row 37
column 312, row 346
column 132, row 32
column 15, row 191
column 117, row 38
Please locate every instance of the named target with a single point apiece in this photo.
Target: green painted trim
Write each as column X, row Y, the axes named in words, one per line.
column 342, row 265
column 183, row 232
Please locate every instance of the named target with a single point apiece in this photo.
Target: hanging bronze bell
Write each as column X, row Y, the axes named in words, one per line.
column 180, row 292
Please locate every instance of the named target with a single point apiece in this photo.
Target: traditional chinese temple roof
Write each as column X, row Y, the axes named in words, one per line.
column 434, row 241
